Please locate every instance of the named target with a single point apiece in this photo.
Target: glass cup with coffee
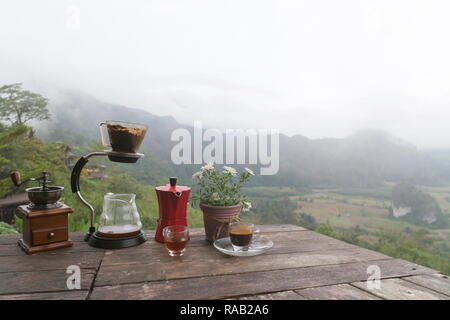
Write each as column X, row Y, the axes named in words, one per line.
column 123, row 136
column 241, row 234
column 176, row 239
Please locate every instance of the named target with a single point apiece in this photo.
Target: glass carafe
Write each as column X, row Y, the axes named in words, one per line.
column 119, row 217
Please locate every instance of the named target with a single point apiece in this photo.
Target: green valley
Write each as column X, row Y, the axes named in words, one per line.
column 358, row 216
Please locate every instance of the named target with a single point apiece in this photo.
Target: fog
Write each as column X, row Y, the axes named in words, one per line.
column 320, row 68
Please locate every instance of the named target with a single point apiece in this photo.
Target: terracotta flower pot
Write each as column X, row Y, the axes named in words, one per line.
column 217, row 218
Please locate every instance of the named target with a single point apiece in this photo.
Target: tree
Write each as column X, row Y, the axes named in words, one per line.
column 12, row 153
column 19, row 106
column 7, row 137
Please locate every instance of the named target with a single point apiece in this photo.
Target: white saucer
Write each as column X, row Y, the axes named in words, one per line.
column 258, row 245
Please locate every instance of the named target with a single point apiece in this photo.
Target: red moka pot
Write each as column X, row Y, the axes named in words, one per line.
column 173, row 201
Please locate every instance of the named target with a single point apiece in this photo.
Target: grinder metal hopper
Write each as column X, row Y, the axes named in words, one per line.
column 42, row 197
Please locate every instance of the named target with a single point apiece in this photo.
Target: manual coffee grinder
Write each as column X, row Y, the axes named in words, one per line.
column 45, row 219
column 120, row 223
column 172, row 201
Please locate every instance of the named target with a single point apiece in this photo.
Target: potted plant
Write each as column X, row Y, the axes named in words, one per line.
column 220, row 196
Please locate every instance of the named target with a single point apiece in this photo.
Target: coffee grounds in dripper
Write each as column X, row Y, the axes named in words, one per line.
column 124, row 139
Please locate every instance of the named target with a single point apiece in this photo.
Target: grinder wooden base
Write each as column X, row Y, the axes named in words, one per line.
column 33, row 249
column 44, row 229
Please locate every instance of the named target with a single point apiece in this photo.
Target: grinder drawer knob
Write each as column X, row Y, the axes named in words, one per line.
column 51, row 235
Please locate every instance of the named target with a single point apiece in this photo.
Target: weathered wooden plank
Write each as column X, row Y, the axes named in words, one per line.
column 198, row 248
column 50, row 260
column 115, row 275
column 9, row 238
column 255, row 283
column 280, row 228
column 41, row 281
column 296, row 237
column 398, row 289
column 436, row 282
column 150, row 244
column 197, row 239
column 61, row 295
column 284, row 295
column 308, row 246
column 155, row 252
column 197, row 266
column 77, row 236
column 336, row 292
column 300, row 259
column 263, row 228
column 15, row 250
column 8, row 243
column 10, row 250
column 275, row 234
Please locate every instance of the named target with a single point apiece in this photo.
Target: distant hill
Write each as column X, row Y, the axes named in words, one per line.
column 365, row 159
column 414, row 205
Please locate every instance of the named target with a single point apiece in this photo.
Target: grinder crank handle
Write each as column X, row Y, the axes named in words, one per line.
column 15, row 177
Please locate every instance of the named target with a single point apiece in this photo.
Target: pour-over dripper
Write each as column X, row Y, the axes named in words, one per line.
column 120, row 217
column 124, row 136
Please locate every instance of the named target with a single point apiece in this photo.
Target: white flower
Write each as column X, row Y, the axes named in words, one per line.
column 230, row 170
column 250, row 171
column 247, row 206
column 215, row 196
column 197, row 175
column 207, row 167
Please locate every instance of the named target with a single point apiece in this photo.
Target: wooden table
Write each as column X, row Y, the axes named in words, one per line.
column 301, row 265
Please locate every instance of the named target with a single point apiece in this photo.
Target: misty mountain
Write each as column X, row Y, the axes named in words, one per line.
column 367, row 158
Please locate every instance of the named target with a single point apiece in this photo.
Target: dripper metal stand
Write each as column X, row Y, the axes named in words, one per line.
column 90, row 236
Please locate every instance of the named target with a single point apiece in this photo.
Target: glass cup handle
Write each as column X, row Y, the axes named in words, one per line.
column 103, row 135
column 256, row 233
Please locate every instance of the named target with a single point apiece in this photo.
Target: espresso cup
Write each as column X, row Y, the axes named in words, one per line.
column 241, row 234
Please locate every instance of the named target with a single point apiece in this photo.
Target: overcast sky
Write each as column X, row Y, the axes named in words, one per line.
column 320, row 68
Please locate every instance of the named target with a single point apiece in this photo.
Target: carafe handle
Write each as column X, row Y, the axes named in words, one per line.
column 103, row 135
